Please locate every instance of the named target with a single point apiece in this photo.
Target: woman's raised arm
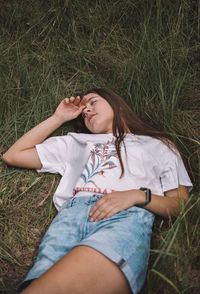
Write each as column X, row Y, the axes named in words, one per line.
column 23, row 152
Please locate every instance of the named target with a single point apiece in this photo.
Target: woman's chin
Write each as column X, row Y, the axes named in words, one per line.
column 97, row 128
column 95, row 131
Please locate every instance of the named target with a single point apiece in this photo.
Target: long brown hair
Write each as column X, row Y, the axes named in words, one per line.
column 123, row 116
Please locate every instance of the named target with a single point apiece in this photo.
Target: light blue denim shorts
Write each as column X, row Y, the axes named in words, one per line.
column 124, row 238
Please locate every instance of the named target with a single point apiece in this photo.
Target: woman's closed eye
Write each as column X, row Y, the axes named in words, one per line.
column 91, row 103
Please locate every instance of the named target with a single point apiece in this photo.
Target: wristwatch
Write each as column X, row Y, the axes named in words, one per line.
column 147, row 196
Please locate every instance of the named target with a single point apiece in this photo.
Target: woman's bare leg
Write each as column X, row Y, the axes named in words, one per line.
column 82, row 270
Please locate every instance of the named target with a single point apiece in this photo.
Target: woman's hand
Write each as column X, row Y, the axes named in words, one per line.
column 69, row 108
column 112, row 203
column 168, row 206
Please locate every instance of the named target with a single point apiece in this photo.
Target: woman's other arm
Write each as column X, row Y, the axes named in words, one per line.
column 23, row 152
column 167, row 206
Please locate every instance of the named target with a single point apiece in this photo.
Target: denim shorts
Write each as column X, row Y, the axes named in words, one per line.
column 124, row 238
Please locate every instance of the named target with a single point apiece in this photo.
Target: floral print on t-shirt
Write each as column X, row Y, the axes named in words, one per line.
column 98, row 164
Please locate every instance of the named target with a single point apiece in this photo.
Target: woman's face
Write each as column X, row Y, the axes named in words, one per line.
column 98, row 114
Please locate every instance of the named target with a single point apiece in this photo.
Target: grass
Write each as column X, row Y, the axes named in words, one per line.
column 147, row 51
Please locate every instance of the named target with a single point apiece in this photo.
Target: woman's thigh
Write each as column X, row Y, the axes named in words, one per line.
column 122, row 241
column 62, row 235
column 82, row 270
column 125, row 239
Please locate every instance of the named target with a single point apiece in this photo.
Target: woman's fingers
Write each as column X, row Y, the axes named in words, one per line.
column 72, row 99
column 103, row 214
column 66, row 100
column 84, row 100
column 77, row 100
column 74, row 104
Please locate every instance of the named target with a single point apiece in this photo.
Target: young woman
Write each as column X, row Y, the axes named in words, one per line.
column 117, row 174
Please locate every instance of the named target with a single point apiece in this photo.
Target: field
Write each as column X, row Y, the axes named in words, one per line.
column 148, row 52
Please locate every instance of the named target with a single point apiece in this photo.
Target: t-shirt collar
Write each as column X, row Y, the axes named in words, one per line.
column 100, row 138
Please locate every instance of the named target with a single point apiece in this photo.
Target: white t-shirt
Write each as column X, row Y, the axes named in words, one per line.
column 90, row 161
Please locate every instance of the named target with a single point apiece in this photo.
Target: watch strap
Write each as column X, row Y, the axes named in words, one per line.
column 147, row 196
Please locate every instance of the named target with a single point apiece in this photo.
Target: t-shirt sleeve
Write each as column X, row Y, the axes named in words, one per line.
column 53, row 154
column 173, row 172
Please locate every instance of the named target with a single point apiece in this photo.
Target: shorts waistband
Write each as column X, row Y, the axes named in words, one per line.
column 83, row 199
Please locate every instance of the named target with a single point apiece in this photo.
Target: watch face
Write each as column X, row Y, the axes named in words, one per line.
column 147, row 196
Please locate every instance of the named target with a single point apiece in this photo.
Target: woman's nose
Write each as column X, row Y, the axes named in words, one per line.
column 86, row 111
